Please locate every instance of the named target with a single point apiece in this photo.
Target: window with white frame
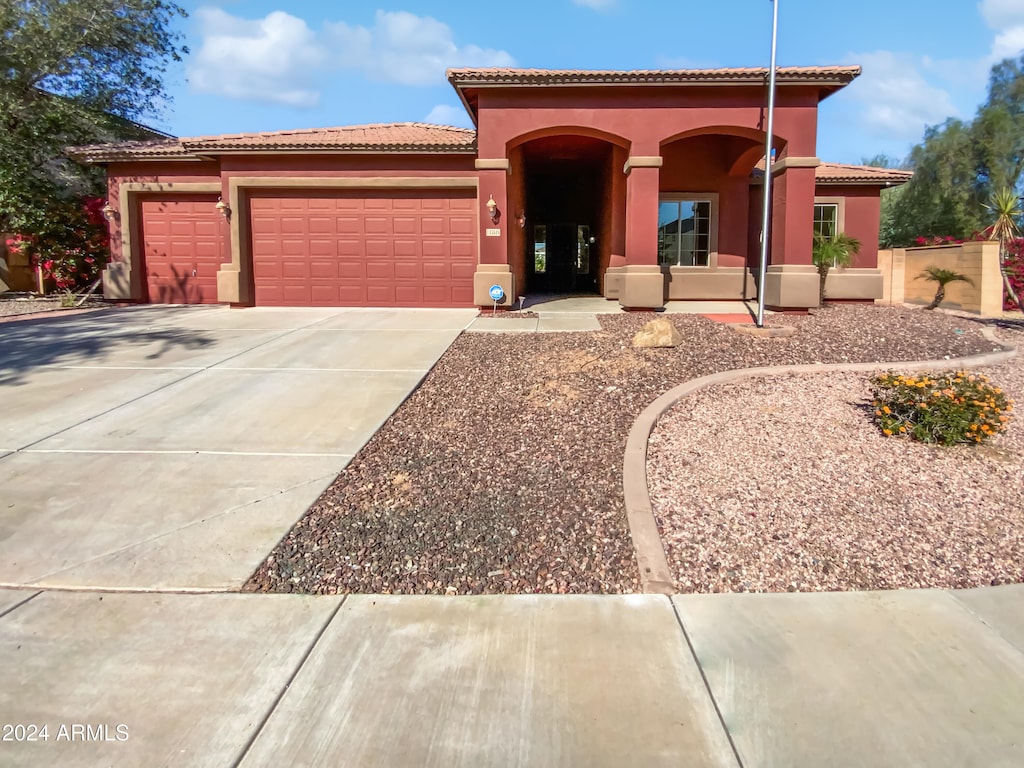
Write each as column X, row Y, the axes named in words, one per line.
column 826, row 219
column 684, row 232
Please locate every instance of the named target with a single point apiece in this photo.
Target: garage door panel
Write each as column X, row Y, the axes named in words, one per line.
column 376, row 225
column 323, row 248
column 380, row 270
column 182, row 247
column 437, row 270
column 295, row 270
column 379, row 249
column 352, row 270
column 380, row 295
column 435, row 225
column 408, row 270
column 367, row 247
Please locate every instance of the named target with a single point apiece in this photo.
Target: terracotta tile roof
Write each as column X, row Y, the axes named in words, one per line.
column 838, row 173
column 159, row 149
column 832, row 75
column 388, row 137
column 384, row 137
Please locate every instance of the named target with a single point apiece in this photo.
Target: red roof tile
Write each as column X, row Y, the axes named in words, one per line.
column 387, row 137
column 838, row 173
column 832, row 75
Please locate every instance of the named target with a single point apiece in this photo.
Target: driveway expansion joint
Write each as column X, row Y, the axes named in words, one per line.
column 655, row 574
column 288, row 684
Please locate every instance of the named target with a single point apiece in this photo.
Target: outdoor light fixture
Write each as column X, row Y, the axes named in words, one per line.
column 108, row 212
column 492, row 210
column 521, row 219
column 223, row 208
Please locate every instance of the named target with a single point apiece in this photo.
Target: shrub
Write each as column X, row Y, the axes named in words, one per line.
column 947, row 408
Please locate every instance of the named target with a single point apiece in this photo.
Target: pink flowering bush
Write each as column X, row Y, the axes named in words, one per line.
column 72, row 248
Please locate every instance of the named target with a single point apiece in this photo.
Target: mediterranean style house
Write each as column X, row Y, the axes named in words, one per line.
column 641, row 186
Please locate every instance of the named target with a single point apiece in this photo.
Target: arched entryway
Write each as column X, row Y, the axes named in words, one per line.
column 568, row 200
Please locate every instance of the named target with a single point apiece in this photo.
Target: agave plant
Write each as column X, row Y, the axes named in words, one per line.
column 835, row 251
column 942, row 278
column 1005, row 206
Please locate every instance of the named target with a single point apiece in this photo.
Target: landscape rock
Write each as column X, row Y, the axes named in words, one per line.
column 658, row 333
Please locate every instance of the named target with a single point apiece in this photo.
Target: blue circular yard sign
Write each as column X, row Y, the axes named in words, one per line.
column 497, row 293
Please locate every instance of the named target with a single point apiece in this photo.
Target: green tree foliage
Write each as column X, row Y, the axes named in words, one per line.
column 960, row 164
column 835, row 251
column 73, row 72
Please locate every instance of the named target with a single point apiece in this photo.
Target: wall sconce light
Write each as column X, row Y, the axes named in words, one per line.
column 223, row 208
column 492, row 210
column 108, row 212
column 521, row 219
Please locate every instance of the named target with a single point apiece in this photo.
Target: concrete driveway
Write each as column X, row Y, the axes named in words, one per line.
column 172, row 447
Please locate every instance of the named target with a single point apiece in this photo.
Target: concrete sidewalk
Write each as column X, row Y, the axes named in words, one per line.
column 850, row 679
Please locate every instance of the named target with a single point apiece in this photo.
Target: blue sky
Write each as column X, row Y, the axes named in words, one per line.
column 260, row 65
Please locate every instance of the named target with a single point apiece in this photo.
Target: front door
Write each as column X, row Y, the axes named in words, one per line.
column 561, row 262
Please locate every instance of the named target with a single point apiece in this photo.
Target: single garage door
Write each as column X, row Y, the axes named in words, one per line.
column 182, row 248
column 364, row 248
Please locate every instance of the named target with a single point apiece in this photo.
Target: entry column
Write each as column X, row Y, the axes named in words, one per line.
column 792, row 280
column 643, row 285
column 493, row 267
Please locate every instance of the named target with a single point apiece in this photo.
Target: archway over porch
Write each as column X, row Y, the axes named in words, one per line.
column 567, row 191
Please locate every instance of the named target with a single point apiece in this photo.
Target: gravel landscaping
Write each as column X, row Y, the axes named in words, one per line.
column 803, row 493
column 15, row 304
column 503, row 471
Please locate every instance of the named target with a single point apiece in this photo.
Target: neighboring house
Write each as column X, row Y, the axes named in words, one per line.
column 640, row 186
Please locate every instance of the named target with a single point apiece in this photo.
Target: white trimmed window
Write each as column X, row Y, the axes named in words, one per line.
column 826, row 219
column 684, row 232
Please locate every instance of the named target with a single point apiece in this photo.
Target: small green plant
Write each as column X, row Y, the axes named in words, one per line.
column 835, row 251
column 67, row 299
column 947, row 408
column 942, row 278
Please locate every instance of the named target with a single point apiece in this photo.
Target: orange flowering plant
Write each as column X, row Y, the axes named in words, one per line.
column 945, row 408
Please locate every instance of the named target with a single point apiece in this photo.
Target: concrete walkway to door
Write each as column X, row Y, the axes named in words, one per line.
column 176, row 445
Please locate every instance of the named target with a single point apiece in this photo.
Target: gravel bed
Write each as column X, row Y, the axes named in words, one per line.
column 503, row 471
column 785, row 484
column 12, row 305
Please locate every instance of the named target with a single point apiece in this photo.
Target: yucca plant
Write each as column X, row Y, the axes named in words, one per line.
column 942, row 278
column 1005, row 206
column 835, row 251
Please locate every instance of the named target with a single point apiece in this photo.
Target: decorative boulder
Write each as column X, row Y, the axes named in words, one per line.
column 658, row 333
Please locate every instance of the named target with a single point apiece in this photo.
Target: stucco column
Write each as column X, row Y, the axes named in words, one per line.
column 494, row 267
column 643, row 285
column 792, row 280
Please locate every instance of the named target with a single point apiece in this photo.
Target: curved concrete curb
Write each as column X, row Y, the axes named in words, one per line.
column 655, row 574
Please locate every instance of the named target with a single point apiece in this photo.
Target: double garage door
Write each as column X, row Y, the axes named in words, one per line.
column 388, row 248
column 377, row 249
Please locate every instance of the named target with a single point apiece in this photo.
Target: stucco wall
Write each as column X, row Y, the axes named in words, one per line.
column 977, row 260
column 861, row 212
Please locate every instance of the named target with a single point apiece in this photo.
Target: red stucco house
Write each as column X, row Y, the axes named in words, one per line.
column 640, row 186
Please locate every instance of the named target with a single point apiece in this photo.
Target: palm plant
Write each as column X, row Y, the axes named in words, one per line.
column 942, row 277
column 828, row 251
column 1005, row 206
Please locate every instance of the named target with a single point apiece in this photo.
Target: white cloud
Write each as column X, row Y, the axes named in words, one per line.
column 895, row 98
column 272, row 59
column 597, row 5
column 408, row 49
column 1006, row 19
column 998, row 13
column 445, row 114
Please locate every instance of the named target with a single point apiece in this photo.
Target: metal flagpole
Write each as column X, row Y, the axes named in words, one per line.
column 767, row 206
